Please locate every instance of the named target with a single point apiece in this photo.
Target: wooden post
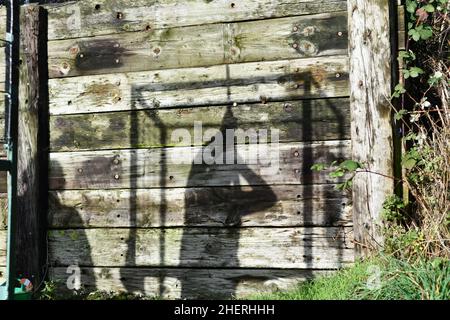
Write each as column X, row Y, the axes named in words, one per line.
column 371, row 116
column 31, row 214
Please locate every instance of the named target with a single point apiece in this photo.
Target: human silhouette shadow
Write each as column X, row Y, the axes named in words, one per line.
column 219, row 246
column 193, row 271
column 69, row 216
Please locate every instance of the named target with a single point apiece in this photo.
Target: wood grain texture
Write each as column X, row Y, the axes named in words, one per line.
column 3, row 179
column 86, row 18
column 3, row 24
column 3, row 237
column 316, row 248
column 195, row 46
column 370, row 74
column 2, row 274
column 2, row 71
column 172, row 167
column 312, row 205
column 226, row 84
column 3, row 212
column 29, row 227
column 188, row 283
column 401, row 23
column 307, row 120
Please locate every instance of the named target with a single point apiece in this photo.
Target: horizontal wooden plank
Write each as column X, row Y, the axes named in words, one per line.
column 87, row 18
column 3, row 211
column 3, row 235
column 3, row 175
column 315, row 205
column 402, row 33
column 187, row 283
column 172, row 167
column 207, row 45
column 313, row 248
column 2, row 274
column 2, row 68
column 3, row 24
column 225, row 84
column 307, row 120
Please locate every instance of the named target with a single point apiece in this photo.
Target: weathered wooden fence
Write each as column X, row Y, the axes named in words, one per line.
column 132, row 207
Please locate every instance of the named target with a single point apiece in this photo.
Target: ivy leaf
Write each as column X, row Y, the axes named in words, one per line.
column 406, row 73
column 426, row 33
column 347, row 185
column 414, row 72
column 398, row 90
column 399, row 115
column 318, row 167
column 428, row 8
column 337, row 174
column 409, row 163
column 436, row 78
column 414, row 34
column 411, row 6
column 350, row 165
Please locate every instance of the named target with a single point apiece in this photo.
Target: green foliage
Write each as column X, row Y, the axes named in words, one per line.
column 104, row 295
column 419, row 16
column 340, row 170
column 380, row 278
column 418, row 226
column 49, row 291
column 342, row 285
column 412, row 72
column 418, row 280
column 403, row 243
column 398, row 91
column 394, row 209
column 54, row 290
column 421, row 32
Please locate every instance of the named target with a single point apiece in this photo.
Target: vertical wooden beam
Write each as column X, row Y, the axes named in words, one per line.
column 371, row 116
column 31, row 215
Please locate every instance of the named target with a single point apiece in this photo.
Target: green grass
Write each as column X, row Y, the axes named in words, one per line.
column 338, row 286
column 383, row 278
